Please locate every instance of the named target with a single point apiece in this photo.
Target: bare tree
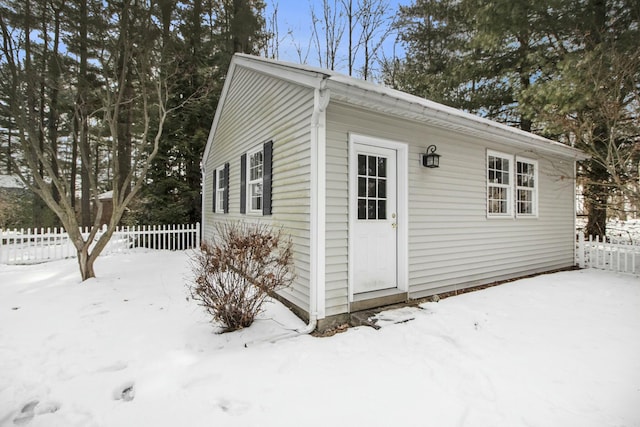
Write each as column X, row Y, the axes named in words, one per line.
column 272, row 45
column 375, row 26
column 301, row 51
column 131, row 81
column 327, row 31
column 352, row 20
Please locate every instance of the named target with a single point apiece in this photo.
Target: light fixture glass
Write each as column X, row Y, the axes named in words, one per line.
column 430, row 159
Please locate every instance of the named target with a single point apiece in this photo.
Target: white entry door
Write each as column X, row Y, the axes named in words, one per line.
column 375, row 223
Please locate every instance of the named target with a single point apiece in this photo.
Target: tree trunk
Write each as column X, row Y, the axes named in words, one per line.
column 596, row 194
column 350, row 19
column 525, row 83
column 123, row 154
column 83, row 143
column 596, row 197
column 74, row 161
column 85, row 262
column 9, row 152
column 597, row 220
column 54, row 72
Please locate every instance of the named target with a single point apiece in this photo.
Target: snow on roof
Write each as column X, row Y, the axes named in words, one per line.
column 405, row 101
column 10, row 181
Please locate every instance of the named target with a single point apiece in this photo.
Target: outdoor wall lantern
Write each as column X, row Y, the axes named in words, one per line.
column 430, row 159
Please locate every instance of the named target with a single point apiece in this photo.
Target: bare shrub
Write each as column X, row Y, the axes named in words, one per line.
column 234, row 275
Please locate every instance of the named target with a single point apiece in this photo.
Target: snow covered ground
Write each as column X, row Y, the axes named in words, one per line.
column 129, row 349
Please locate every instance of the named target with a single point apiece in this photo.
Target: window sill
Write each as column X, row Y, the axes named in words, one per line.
column 508, row 216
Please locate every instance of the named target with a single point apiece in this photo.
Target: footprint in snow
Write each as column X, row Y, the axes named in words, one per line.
column 125, row 392
column 233, row 407
column 34, row 408
column 117, row 366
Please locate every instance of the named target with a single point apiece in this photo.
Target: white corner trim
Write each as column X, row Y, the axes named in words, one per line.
column 402, row 201
column 317, row 230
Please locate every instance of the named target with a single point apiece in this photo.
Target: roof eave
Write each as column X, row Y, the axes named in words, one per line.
column 417, row 109
column 303, row 75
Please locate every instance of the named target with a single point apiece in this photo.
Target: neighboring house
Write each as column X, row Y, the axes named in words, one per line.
column 15, row 203
column 338, row 162
column 106, row 199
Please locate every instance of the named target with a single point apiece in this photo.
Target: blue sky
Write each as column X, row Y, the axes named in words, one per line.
column 295, row 31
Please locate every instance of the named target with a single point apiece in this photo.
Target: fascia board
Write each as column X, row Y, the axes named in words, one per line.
column 304, row 76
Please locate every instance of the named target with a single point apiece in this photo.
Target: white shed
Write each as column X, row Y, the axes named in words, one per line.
column 340, row 164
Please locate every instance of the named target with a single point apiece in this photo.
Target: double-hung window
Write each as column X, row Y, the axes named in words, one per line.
column 256, row 180
column 221, row 184
column 526, row 187
column 499, row 179
column 255, row 173
column 221, row 189
column 512, row 186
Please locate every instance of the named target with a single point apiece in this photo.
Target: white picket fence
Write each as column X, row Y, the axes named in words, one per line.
column 39, row 245
column 623, row 257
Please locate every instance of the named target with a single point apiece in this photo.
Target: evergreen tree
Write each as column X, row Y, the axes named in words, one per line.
column 561, row 68
column 475, row 55
column 199, row 51
column 590, row 98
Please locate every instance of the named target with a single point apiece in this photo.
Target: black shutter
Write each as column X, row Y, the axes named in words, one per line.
column 243, row 183
column 266, row 178
column 214, row 190
column 225, row 201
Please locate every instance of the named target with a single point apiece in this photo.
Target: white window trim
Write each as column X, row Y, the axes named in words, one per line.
column 219, row 190
column 509, row 187
column 536, row 181
column 251, row 211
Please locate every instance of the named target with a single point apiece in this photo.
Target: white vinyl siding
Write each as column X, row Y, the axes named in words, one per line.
column 452, row 242
column 280, row 111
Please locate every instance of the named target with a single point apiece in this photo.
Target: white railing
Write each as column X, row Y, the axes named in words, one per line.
column 40, row 245
column 622, row 257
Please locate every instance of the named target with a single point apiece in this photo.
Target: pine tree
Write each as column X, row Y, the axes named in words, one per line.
column 200, row 53
column 562, row 68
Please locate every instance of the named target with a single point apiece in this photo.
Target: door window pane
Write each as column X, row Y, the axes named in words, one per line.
column 371, row 209
column 382, row 209
column 362, row 164
column 362, row 209
column 382, row 166
column 372, row 166
column 372, row 187
column 362, row 187
column 382, row 189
